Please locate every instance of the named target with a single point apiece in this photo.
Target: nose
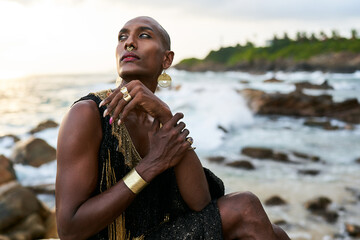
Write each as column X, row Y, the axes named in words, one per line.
column 130, row 42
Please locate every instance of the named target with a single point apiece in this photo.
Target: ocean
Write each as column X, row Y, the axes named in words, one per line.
column 221, row 124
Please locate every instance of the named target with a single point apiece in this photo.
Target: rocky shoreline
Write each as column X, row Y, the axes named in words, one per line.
column 24, row 216
column 341, row 62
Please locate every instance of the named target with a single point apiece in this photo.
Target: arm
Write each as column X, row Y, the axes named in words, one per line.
column 189, row 172
column 79, row 213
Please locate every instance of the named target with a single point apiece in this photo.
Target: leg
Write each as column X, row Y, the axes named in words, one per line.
column 243, row 217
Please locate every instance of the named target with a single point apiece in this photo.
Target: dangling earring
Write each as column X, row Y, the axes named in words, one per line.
column 164, row 80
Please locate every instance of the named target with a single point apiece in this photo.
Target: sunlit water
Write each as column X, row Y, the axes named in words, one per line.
column 209, row 100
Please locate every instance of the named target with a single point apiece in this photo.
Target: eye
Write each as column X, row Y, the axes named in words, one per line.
column 122, row 37
column 144, row 35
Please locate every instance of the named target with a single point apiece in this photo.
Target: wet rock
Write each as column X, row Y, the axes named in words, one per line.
column 51, row 227
column 357, row 160
column 7, row 172
column 16, row 204
column 273, row 80
column 324, row 86
column 311, row 172
column 257, row 152
column 280, row 157
column 43, row 189
column 318, row 204
column 299, row 104
column 306, row 156
column 31, row 227
column 352, row 229
column 217, row 159
column 244, row 81
column 241, row 164
column 34, row 152
column 320, row 124
column 319, row 207
column 14, row 138
column 275, row 201
column 44, row 125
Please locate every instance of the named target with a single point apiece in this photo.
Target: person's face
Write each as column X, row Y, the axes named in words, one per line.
column 146, row 60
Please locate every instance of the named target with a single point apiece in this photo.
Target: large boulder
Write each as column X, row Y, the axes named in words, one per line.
column 7, row 172
column 299, row 104
column 16, row 205
column 34, row 152
column 257, row 152
column 44, row 125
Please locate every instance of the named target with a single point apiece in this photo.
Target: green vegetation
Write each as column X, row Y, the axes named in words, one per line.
column 302, row 48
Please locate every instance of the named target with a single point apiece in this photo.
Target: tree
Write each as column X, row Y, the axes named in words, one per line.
column 313, row 37
column 323, row 36
column 353, row 34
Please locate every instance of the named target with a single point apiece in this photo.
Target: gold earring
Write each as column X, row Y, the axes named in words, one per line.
column 164, row 80
column 130, row 48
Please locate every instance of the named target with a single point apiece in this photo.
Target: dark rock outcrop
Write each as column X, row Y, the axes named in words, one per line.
column 241, row 164
column 44, row 125
column 299, row 104
column 311, row 172
column 324, row 86
column 256, row 152
column 319, row 206
column 34, row 152
column 275, row 201
column 353, row 229
column 216, row 159
column 7, row 172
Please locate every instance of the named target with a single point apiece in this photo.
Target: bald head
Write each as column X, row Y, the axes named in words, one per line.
column 164, row 36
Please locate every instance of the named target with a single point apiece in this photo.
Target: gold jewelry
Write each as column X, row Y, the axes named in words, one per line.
column 124, row 90
column 130, row 48
column 164, row 80
column 190, row 140
column 134, row 181
column 127, row 97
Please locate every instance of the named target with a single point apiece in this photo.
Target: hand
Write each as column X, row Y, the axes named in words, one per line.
column 141, row 98
column 167, row 145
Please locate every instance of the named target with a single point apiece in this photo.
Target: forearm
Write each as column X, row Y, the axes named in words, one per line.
column 95, row 213
column 192, row 181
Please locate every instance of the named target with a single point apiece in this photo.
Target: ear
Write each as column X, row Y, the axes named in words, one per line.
column 168, row 59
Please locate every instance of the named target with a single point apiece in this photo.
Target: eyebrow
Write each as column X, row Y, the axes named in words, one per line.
column 125, row 30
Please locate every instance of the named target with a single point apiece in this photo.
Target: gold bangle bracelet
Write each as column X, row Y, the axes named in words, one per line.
column 134, row 181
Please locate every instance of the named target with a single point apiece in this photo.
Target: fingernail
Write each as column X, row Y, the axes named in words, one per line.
column 105, row 113
column 111, row 120
column 119, row 122
column 101, row 103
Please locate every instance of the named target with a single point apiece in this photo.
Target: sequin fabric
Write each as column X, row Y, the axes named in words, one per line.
column 158, row 212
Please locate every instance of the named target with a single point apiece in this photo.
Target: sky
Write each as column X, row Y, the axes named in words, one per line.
column 66, row 37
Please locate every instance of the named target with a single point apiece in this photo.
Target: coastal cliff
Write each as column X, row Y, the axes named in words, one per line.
column 335, row 54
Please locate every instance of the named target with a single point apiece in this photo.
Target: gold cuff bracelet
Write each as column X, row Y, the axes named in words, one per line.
column 134, row 181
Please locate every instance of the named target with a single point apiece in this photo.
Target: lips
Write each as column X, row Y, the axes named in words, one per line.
column 129, row 57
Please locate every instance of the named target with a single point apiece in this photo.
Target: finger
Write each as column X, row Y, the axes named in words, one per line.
column 109, row 98
column 172, row 122
column 180, row 126
column 114, row 102
column 128, row 108
column 155, row 125
column 185, row 133
column 119, row 107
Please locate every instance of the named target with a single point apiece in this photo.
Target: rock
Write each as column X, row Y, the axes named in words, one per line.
column 255, row 152
column 244, row 81
column 7, row 172
column 349, row 127
column 44, row 125
column 318, row 204
column 273, row 80
column 32, row 227
column 222, row 129
column 301, row 85
column 352, row 229
column 43, row 189
column 311, row 172
column 321, row 124
column 280, row 157
column 299, row 104
column 330, row 216
column 275, row 201
column 357, row 160
column 218, row 159
column 34, row 152
column 16, row 204
column 14, row 138
column 242, row 164
column 51, row 227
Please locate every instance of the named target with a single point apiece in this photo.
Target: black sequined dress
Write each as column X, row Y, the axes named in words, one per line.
column 158, row 212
